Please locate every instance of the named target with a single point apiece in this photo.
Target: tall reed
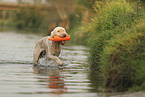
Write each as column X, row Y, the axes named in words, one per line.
column 117, row 44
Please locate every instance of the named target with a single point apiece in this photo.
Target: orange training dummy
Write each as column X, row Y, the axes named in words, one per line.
column 58, row 38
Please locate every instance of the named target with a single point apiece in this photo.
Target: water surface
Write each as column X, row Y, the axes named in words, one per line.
column 20, row 78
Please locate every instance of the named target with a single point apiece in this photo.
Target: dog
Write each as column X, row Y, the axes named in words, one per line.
column 51, row 49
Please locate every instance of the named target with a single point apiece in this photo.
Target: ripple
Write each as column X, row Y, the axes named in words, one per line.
column 20, row 78
column 3, row 62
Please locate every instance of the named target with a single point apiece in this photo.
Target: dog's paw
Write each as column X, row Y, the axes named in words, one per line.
column 59, row 63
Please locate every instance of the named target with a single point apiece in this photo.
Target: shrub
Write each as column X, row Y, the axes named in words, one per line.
column 117, row 44
column 122, row 61
column 112, row 19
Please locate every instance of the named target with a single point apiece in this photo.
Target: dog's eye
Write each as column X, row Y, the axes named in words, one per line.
column 58, row 31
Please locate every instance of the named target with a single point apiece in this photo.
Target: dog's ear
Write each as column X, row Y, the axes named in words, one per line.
column 52, row 33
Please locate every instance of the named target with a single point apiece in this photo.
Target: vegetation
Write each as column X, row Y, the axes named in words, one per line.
column 28, row 18
column 113, row 29
column 117, row 42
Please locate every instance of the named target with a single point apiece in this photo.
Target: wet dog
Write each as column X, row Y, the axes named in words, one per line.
column 50, row 48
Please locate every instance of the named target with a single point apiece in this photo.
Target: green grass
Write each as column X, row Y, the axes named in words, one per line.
column 116, row 42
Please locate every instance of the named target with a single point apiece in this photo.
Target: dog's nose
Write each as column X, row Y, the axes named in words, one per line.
column 64, row 35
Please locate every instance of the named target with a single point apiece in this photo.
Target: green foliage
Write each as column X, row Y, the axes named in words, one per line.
column 117, row 41
column 123, row 61
column 77, row 36
column 87, row 3
column 28, row 18
column 75, row 20
column 112, row 19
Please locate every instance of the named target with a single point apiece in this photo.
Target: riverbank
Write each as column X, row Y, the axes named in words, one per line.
column 117, row 42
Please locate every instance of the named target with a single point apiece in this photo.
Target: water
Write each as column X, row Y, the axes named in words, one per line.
column 20, row 78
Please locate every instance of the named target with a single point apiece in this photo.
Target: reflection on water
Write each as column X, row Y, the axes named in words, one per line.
column 53, row 79
column 20, row 78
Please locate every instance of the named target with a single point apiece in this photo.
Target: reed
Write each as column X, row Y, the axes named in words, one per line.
column 116, row 42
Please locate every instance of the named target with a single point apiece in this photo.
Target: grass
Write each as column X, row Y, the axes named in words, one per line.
column 117, row 38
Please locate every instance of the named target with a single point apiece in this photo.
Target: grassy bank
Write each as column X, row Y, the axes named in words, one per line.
column 117, row 45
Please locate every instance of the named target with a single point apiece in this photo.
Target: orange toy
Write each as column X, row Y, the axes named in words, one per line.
column 58, row 38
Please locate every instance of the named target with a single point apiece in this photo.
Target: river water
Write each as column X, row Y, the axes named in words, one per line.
column 20, row 78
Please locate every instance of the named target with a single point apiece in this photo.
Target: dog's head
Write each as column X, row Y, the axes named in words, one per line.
column 59, row 31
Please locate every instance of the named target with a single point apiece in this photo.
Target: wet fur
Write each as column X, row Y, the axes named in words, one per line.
column 52, row 49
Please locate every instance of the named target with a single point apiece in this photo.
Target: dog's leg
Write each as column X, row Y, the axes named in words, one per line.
column 36, row 54
column 55, row 58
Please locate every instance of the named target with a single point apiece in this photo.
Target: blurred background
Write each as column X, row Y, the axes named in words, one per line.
column 42, row 16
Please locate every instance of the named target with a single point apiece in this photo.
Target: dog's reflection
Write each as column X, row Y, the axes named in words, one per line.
column 52, row 77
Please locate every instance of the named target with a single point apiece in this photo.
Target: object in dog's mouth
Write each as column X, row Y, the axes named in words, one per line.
column 58, row 38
